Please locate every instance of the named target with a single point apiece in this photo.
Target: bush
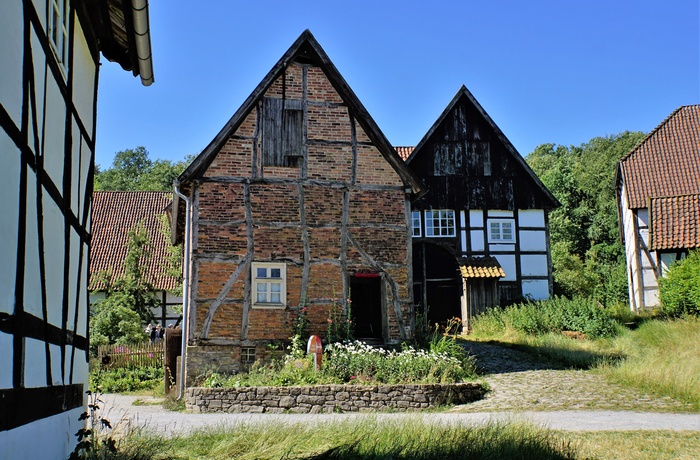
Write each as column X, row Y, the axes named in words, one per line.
column 555, row 315
column 680, row 287
column 123, row 379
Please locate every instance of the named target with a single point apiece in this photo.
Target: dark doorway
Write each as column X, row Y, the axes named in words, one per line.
column 439, row 284
column 366, row 297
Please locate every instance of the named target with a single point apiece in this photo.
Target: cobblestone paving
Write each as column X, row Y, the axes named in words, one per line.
column 520, row 383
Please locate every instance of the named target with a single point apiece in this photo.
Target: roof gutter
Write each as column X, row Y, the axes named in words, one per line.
column 142, row 37
column 185, row 289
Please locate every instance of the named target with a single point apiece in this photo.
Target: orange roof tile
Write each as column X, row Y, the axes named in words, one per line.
column 675, row 222
column 113, row 215
column 480, row 267
column 667, row 161
column 404, row 152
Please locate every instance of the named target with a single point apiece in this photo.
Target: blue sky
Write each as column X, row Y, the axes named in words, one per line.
column 555, row 71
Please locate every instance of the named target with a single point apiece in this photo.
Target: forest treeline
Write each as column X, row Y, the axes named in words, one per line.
column 588, row 257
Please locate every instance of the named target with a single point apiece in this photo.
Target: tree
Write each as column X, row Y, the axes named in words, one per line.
column 133, row 170
column 129, row 299
column 587, row 255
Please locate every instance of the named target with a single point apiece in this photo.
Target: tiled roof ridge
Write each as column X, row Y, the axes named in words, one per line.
column 656, row 130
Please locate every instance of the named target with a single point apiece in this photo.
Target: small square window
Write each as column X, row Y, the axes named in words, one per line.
column 247, row 355
column 501, row 230
column 269, row 284
column 440, row 222
column 416, row 224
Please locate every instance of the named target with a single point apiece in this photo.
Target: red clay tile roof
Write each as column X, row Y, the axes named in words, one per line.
column 113, row 215
column 404, row 152
column 667, row 161
column 480, row 267
column 675, row 222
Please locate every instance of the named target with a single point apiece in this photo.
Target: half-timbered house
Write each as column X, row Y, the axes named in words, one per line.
column 114, row 215
column 658, row 191
column 299, row 205
column 483, row 201
column 49, row 56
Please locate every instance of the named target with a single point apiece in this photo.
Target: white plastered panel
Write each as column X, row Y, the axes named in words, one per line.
column 477, row 240
column 533, row 265
column 533, row 240
column 34, row 363
column 9, row 190
column 476, row 218
column 54, row 253
column 55, row 133
column 507, row 262
column 11, row 25
column 83, row 80
column 531, row 218
column 6, row 360
column 536, row 289
column 32, row 274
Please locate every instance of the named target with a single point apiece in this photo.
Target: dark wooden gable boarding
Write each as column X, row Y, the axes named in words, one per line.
column 474, row 176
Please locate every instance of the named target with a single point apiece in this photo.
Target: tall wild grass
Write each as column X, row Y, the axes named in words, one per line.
column 661, row 357
column 366, row 438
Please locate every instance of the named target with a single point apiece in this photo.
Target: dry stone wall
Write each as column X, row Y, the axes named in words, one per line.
column 330, row 398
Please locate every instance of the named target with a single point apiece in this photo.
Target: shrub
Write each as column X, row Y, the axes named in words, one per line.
column 680, row 287
column 125, row 379
column 554, row 315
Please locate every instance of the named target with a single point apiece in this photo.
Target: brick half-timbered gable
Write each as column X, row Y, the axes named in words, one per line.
column 299, row 202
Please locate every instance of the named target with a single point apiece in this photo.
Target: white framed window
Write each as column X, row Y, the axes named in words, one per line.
column 269, row 284
column 59, row 15
column 440, row 222
column 501, row 230
column 416, row 224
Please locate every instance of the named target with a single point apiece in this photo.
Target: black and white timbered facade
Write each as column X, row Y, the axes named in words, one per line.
column 483, row 201
column 49, row 67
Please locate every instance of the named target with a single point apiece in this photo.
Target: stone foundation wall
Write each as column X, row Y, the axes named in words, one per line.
column 330, row 398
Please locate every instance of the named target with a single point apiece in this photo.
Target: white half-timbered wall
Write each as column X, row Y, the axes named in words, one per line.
column 47, row 129
column 642, row 264
column 525, row 260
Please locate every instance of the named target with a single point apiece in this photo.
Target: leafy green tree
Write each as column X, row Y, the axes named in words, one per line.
column 587, row 255
column 133, row 170
column 129, row 299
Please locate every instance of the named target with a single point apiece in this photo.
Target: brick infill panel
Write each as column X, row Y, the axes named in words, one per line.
column 330, row 398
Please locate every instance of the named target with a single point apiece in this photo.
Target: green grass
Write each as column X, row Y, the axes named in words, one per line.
column 634, row 445
column 663, row 358
column 660, row 357
column 369, row 438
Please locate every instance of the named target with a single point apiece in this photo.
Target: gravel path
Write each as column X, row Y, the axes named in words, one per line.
column 521, row 389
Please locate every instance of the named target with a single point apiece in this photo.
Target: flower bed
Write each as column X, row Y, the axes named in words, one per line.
column 330, row 398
